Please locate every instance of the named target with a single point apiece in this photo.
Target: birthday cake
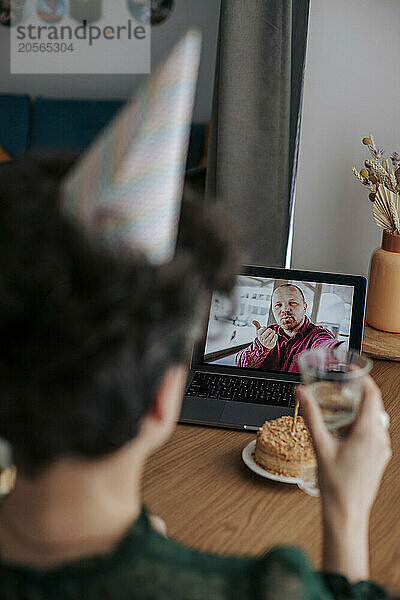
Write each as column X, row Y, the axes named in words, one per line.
column 281, row 453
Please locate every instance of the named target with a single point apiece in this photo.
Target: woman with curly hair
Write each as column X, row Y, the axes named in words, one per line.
column 93, row 363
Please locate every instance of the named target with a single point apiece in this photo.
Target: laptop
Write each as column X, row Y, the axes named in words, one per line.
column 244, row 370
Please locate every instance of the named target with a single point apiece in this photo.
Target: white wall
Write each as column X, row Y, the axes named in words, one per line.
column 352, row 88
column 201, row 13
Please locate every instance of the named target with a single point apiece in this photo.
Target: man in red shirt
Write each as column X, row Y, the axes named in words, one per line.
column 276, row 348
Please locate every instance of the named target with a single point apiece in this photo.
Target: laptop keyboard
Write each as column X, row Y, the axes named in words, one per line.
column 241, row 389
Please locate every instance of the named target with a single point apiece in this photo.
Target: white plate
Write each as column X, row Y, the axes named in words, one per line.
column 247, row 455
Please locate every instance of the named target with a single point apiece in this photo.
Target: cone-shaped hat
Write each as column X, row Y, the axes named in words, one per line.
column 126, row 189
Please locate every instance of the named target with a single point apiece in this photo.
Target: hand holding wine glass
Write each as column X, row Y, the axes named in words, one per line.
column 350, row 471
column 334, row 378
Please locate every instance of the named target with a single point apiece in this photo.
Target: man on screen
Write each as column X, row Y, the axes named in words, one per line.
column 276, row 347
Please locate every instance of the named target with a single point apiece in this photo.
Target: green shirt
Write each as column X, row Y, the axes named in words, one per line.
column 147, row 566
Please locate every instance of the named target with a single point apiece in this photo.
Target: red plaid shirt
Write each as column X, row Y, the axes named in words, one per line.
column 284, row 356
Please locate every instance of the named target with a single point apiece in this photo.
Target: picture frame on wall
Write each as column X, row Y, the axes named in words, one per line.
column 157, row 12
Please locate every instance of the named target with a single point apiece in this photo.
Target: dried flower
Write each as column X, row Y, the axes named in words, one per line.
column 395, row 157
column 397, row 175
column 382, row 179
column 378, row 152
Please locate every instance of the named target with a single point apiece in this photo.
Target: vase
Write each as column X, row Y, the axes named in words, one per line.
column 383, row 298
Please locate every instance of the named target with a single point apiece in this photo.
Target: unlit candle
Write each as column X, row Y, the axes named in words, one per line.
column 296, row 412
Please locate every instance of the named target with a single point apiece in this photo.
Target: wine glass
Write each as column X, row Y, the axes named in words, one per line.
column 334, row 377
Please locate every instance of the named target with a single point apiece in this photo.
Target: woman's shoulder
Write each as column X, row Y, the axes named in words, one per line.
column 147, row 564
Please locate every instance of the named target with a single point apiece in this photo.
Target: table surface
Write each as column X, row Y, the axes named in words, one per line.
column 211, row 501
column 381, row 344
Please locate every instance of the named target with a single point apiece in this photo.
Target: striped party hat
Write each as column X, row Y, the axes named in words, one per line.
column 126, row 189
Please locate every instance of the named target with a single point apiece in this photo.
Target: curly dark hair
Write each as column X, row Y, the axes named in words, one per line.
column 87, row 335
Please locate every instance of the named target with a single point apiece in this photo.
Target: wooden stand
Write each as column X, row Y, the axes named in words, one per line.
column 380, row 344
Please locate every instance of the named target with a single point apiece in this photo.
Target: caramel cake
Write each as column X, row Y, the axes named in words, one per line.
column 278, row 452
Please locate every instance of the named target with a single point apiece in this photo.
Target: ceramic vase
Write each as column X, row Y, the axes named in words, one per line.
column 383, row 299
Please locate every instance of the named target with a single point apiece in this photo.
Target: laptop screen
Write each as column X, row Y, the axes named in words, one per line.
column 268, row 322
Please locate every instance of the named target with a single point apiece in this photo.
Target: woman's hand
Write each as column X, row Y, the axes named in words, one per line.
column 350, row 472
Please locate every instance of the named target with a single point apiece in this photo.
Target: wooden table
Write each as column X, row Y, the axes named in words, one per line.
column 211, row 501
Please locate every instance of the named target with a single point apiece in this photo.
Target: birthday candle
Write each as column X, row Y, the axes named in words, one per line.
column 296, row 412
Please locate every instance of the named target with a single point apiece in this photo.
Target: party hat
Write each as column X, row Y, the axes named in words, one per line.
column 126, row 189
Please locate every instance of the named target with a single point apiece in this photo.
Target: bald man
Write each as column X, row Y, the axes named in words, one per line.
column 276, row 348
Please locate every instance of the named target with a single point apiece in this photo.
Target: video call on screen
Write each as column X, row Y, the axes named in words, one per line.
column 285, row 316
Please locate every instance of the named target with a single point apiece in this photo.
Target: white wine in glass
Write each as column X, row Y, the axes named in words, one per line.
column 339, row 403
column 334, row 378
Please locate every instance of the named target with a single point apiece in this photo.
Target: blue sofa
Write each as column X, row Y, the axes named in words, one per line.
column 46, row 123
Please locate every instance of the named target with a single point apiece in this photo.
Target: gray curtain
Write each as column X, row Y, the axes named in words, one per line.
column 256, row 120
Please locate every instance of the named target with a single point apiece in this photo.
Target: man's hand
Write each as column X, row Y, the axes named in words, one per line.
column 266, row 336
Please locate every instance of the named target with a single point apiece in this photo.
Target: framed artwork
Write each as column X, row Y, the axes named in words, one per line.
column 14, row 13
column 158, row 12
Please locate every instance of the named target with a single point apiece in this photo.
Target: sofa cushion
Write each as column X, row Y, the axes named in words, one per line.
column 69, row 124
column 14, row 129
column 74, row 124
